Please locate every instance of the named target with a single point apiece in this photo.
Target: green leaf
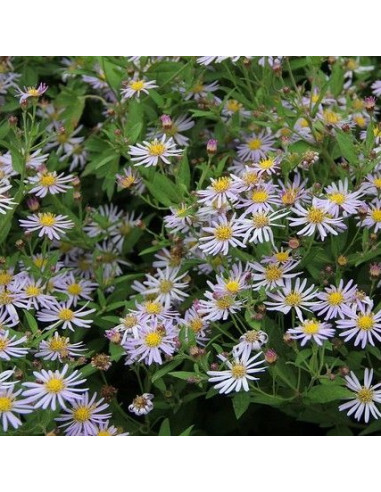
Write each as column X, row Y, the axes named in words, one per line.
column 241, row 402
column 183, row 176
column 166, row 369
column 165, row 429
column 185, row 375
column 328, row 392
column 164, row 190
column 32, row 323
column 347, row 147
column 187, row 431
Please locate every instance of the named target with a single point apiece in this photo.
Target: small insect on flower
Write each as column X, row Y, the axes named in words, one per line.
column 150, row 153
column 48, row 224
column 141, row 405
column 34, row 92
column 135, row 86
column 53, row 386
column 239, row 371
column 365, row 397
column 311, row 329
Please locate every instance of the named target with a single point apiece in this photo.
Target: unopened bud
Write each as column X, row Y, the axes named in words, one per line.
column 271, row 356
column 211, row 146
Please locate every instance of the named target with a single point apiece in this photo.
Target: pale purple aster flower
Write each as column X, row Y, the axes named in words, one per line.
column 59, row 348
column 135, row 86
column 141, row 405
column 363, row 325
column 220, row 191
column 315, row 218
column 167, row 285
column 48, row 224
column 52, row 387
column 31, row 92
column 84, row 416
column 196, row 324
column 153, row 342
column 239, row 371
column 334, row 299
column 172, row 128
column 221, row 235
column 272, row 275
column 364, row 398
column 249, row 341
column 9, row 406
column 311, row 330
column 49, row 182
column 9, row 346
column 373, row 217
column 256, row 146
column 261, row 198
column 258, row 228
column 376, row 87
column 75, row 289
column 180, row 219
column 200, row 91
column 291, row 296
column 338, row 201
column 234, row 280
column 131, row 181
column 5, row 202
column 150, row 153
column 61, row 315
column 218, row 306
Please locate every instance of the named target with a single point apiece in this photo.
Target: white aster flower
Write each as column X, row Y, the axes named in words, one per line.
column 311, row 329
column 249, row 341
column 49, row 182
column 273, row 274
column 9, row 346
column 218, row 306
column 135, row 86
column 9, row 405
column 339, row 201
column 75, row 289
column 221, row 235
column 62, row 316
column 373, row 217
column 364, row 325
column 59, row 348
column 238, row 373
column 365, row 398
column 256, row 146
column 48, row 224
column 219, row 192
column 334, row 299
column 167, row 285
column 141, row 405
column 53, row 386
column 258, row 228
column 150, row 153
column 5, row 202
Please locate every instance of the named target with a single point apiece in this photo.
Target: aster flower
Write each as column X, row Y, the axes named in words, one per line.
column 181, row 218
column 268, row 165
column 221, row 235
column 9, row 346
column 103, row 219
column 31, row 92
column 150, row 153
column 135, row 86
column 153, row 342
column 105, row 429
column 75, row 289
column 53, row 386
column 376, row 88
column 63, row 316
column 249, row 341
column 219, row 192
column 291, row 296
column 258, row 228
column 373, row 217
column 9, row 406
column 59, row 348
column 311, row 329
column 261, row 198
column 316, row 218
column 120, row 231
column 363, row 325
column 339, row 201
column 372, row 184
column 141, row 405
column 218, row 306
column 5, row 202
column 365, row 397
column 334, row 300
column 167, row 285
column 196, row 324
column 200, row 91
column 238, row 373
column 49, row 182
column 232, row 107
column 35, row 293
column 207, row 60
column 172, row 128
column 234, row 280
column 84, row 416
column 153, row 310
column 48, row 224
column 272, row 275
column 130, row 180
column 256, row 147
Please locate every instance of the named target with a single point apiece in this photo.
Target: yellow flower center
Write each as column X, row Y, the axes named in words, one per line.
column 196, row 325
column 139, row 402
column 127, row 181
column 224, row 302
column 197, row 88
column 259, row 196
column 130, row 320
column 250, row 178
column 315, row 97
column 47, row 219
column 358, row 104
column 338, row 198
column 66, row 314
column 377, row 182
column 365, row 395
column 5, row 298
column 335, row 298
column 238, row 371
column 260, row 220
column 39, row 262
column 58, row 344
column 74, row 289
column 266, row 163
column 153, row 307
column 360, row 121
column 137, row 85
column 153, row 339
column 376, row 215
column 282, row 256
column 104, row 433
column 293, row 299
column 3, row 344
column 223, row 233
column 330, row 117
column 289, row 197
column 377, row 132
column 5, row 277
column 252, row 336
column 55, row 385
column 156, row 148
column 84, row 264
column 33, row 92
column 365, row 322
column 232, row 286
column 255, row 144
column 315, row 215
column 303, row 123
column 311, row 327
column 82, row 414
column 233, row 105
column 351, row 65
column 273, row 272
column 62, row 138
column 33, row 290
column 5, row 404
column 221, row 184
column 48, row 180
column 165, row 286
